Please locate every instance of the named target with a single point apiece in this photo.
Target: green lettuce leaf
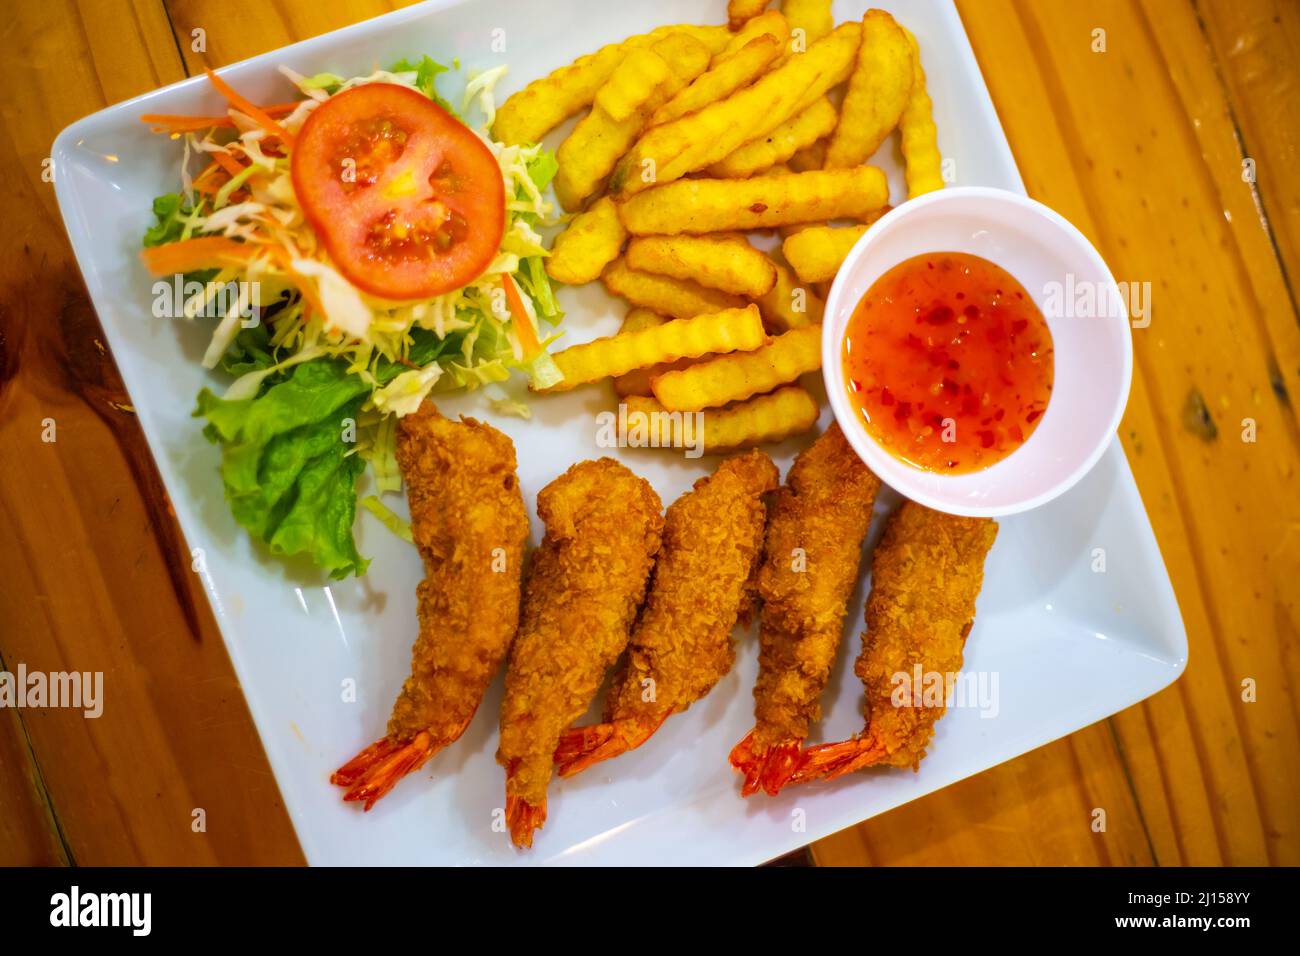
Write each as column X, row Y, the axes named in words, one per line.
column 288, row 463
column 171, row 221
column 537, row 284
column 542, row 169
column 329, row 82
column 250, row 351
column 426, row 74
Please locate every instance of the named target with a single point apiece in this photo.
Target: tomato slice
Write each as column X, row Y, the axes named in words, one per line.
column 408, row 202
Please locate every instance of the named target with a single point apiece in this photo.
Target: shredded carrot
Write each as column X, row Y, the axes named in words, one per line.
column 206, row 252
column 203, row 252
column 256, row 113
column 228, row 163
column 208, row 182
column 523, row 326
column 176, row 123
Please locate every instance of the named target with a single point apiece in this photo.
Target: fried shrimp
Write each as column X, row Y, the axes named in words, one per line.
column 818, row 522
column 682, row 646
column 470, row 526
column 584, row 587
column 926, row 574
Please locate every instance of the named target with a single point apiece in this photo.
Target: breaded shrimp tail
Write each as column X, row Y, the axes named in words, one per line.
column 470, row 527
column 926, row 574
column 818, row 522
column 585, row 585
column 682, row 646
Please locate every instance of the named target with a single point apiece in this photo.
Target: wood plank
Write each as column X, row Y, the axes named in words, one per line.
column 1036, row 810
column 1206, row 338
column 28, row 832
column 1253, row 43
column 1133, row 146
column 262, row 26
column 99, row 578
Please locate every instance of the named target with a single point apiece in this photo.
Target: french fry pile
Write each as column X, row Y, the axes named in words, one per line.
column 695, row 138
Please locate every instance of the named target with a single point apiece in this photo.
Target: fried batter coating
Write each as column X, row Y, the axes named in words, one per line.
column 584, row 586
column 925, row 576
column 682, row 646
column 470, row 526
column 818, row 522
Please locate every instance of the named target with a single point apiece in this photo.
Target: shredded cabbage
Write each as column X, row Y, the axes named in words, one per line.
column 391, row 521
column 348, row 322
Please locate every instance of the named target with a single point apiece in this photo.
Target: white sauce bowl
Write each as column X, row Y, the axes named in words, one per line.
column 1084, row 309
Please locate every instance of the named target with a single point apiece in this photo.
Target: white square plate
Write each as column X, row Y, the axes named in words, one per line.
column 1068, row 646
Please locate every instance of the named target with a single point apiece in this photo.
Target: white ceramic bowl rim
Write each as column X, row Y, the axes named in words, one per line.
column 910, row 480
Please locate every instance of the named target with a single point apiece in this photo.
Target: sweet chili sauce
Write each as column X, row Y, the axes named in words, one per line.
column 949, row 362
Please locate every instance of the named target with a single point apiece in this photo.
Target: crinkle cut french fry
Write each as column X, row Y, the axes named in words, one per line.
column 789, row 410
column 637, row 381
column 592, row 240
column 763, row 202
column 817, row 252
column 878, row 91
column 726, row 331
column 727, row 74
column 740, row 11
column 589, row 153
column 810, row 157
column 629, row 87
column 732, row 378
column 813, row 17
column 638, row 318
column 735, row 267
column 791, row 304
column 531, row 113
column 677, row 298
column 796, row 133
column 767, row 418
column 772, row 23
column 543, row 104
column 922, row 164
column 692, row 142
column 714, row 36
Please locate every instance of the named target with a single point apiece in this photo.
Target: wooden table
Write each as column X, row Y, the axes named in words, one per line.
column 1143, row 145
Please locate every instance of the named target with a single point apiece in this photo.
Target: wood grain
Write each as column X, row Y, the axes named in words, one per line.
column 96, row 575
column 1137, row 146
column 1142, row 146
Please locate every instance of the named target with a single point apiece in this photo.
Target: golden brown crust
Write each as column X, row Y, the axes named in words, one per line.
column 926, row 574
column 584, row 586
column 814, row 544
column 470, row 526
column 682, row 646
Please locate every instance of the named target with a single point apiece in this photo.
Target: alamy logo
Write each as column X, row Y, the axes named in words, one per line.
column 181, row 299
column 922, row 688
column 78, row 690
column 638, row 428
column 75, row 908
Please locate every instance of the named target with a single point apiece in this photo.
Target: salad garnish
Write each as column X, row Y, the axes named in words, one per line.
column 386, row 249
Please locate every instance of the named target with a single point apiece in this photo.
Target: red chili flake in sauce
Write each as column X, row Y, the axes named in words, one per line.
column 947, row 356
